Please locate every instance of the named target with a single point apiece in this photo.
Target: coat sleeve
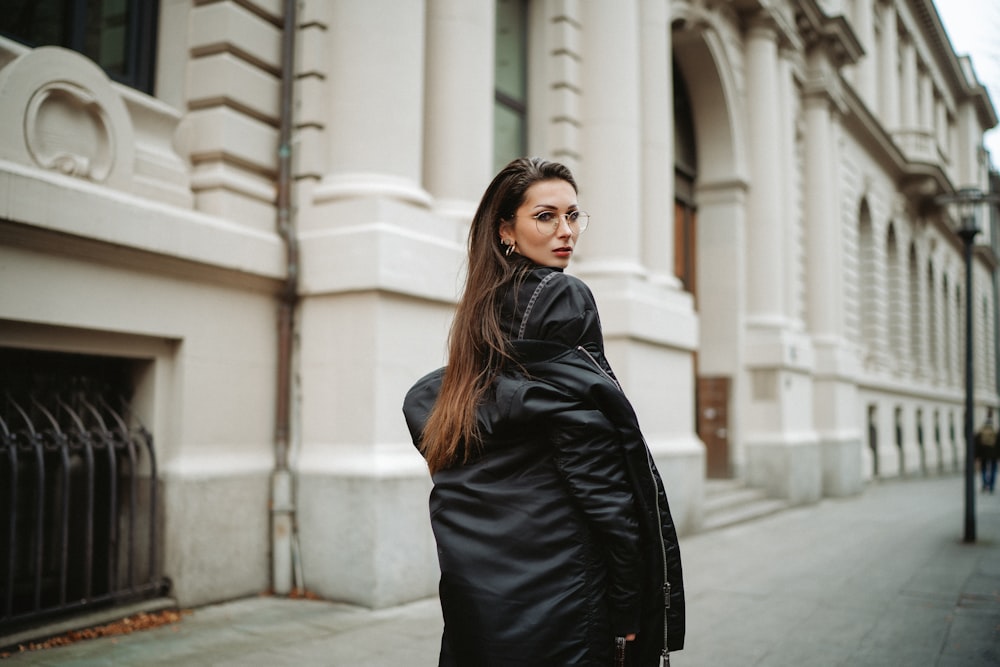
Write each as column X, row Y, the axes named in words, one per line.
column 588, row 454
column 419, row 402
column 592, row 465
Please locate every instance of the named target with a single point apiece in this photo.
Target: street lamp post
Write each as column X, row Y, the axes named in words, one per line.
column 966, row 201
column 967, row 232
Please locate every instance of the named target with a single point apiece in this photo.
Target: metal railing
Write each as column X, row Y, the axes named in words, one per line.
column 78, row 507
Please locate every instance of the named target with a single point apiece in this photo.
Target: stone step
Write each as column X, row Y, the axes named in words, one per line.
column 728, row 502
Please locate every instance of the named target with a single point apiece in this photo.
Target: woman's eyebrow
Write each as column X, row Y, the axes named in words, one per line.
column 553, row 206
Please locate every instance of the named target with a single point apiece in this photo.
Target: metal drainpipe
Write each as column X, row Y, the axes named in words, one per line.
column 283, row 534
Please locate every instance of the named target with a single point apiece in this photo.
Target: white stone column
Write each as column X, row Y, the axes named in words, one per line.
column 908, row 86
column 765, row 201
column 942, row 322
column 934, row 322
column 793, row 233
column 610, row 176
column 657, row 123
column 376, row 88
column 965, row 152
column 834, row 398
column 863, row 18
column 888, row 56
column 458, row 139
column 918, row 336
column 782, row 453
column 926, row 111
column 379, row 275
column 823, row 258
column 941, row 127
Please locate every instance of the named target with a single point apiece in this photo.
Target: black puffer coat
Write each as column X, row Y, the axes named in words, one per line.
column 556, row 537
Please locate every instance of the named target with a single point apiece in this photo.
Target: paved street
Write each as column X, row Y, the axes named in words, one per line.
column 878, row 579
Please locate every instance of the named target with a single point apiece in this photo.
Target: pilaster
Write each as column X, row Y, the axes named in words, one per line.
column 926, row 106
column 656, row 113
column 864, row 74
column 555, row 88
column 965, row 152
column 459, row 104
column 824, row 259
column 941, row 128
column 232, row 99
column 765, row 202
column 611, row 189
column 888, row 65
column 793, row 236
column 908, row 134
column 908, row 84
column 379, row 276
column 918, row 334
column 835, row 395
column 782, row 454
column 382, row 154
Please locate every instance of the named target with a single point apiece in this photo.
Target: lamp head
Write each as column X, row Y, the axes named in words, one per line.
column 964, row 203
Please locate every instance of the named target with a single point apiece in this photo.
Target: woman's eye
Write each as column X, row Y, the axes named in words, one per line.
column 544, row 216
column 572, row 216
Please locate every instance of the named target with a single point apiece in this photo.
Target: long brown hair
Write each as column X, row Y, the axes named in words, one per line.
column 477, row 346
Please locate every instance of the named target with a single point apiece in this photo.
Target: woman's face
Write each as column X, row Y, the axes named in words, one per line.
column 540, row 229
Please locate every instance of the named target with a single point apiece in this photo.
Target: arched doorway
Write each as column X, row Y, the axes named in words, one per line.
column 711, row 391
column 709, row 219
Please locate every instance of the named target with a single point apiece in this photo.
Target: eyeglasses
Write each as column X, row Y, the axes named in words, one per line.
column 547, row 222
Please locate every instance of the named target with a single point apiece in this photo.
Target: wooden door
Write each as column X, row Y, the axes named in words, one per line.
column 685, row 240
column 713, row 423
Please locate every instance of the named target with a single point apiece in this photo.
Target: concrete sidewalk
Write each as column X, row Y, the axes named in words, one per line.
column 882, row 578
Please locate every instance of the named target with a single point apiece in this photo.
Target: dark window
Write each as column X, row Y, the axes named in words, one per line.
column 510, row 106
column 119, row 35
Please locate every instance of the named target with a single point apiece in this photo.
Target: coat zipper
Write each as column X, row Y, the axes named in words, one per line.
column 663, row 555
column 600, row 368
column 659, row 518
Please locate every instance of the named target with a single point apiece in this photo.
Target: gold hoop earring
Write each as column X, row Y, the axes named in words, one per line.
column 510, row 247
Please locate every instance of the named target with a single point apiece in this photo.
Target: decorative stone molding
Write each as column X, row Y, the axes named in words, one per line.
column 833, row 33
column 61, row 113
column 66, row 129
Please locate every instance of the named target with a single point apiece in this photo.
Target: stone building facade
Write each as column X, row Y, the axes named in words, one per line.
column 270, row 247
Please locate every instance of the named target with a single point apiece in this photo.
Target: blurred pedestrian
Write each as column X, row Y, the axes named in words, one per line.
column 986, row 452
column 554, row 536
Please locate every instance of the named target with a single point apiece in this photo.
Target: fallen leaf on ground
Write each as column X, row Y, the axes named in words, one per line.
column 124, row 626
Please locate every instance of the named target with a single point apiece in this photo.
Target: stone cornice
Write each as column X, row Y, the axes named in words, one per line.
column 917, row 180
column 768, row 14
column 966, row 88
column 832, row 33
column 125, row 224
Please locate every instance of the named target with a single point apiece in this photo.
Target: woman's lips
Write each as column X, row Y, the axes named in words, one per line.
column 565, row 251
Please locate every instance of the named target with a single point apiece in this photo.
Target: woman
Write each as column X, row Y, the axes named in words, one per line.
column 986, row 452
column 554, row 536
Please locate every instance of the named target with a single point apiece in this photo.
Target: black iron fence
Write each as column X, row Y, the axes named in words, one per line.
column 78, row 506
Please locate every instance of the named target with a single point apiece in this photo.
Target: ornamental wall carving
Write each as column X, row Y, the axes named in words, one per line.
column 62, row 114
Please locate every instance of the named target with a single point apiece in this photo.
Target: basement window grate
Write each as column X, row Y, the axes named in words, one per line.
column 78, row 488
